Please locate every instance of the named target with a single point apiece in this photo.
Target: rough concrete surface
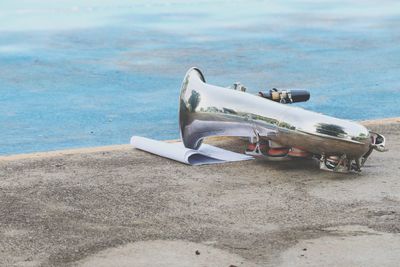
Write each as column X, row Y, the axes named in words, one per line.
column 128, row 208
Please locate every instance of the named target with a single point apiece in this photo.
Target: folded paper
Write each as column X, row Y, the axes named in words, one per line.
column 206, row 154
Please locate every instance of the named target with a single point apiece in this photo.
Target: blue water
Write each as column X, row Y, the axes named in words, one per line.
column 78, row 74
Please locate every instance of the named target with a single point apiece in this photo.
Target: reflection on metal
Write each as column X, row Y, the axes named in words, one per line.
column 278, row 130
column 238, row 86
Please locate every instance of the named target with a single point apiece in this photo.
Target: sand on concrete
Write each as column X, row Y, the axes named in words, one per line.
column 160, row 253
column 346, row 246
column 86, row 207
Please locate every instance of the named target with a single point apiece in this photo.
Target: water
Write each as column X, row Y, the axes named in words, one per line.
column 78, row 74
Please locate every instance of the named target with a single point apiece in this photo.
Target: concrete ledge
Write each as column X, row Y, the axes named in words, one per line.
column 369, row 123
column 113, row 204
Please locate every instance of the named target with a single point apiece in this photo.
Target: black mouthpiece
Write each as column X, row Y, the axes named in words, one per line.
column 300, row 95
column 286, row 96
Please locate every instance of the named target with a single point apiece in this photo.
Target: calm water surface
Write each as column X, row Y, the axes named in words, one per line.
column 78, row 74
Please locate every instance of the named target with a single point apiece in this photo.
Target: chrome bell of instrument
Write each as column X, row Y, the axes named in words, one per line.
column 208, row 110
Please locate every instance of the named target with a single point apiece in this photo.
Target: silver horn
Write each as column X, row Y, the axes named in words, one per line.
column 208, row 110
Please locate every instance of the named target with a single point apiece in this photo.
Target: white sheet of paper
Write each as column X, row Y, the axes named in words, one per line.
column 206, row 154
